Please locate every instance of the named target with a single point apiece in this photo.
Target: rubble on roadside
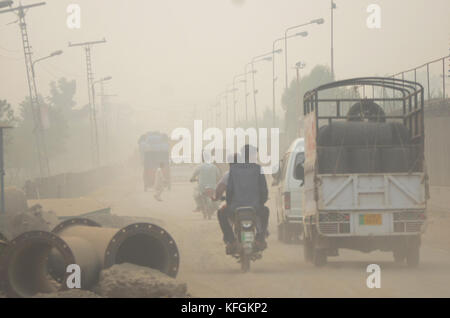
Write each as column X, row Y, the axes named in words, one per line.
column 133, row 281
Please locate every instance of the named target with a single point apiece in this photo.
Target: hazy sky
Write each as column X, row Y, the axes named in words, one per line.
column 171, row 56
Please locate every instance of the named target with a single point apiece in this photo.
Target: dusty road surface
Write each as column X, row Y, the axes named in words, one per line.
column 282, row 271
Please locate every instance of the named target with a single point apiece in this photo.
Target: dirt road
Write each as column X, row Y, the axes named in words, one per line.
column 282, row 271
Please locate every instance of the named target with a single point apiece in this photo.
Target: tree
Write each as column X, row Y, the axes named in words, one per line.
column 22, row 152
column 292, row 99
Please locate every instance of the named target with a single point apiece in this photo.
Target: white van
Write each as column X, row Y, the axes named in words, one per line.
column 289, row 194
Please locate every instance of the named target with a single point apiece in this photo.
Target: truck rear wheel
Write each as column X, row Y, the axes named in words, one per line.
column 413, row 255
column 320, row 257
column 320, row 254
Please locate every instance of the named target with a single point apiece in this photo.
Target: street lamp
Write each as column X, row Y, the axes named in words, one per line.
column 56, row 53
column 333, row 7
column 260, row 58
column 94, row 118
column 38, row 114
column 298, row 66
column 227, row 91
column 315, row 21
column 235, row 89
column 303, row 34
column 253, row 71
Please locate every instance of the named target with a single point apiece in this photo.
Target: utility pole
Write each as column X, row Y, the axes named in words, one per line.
column 2, row 170
column 90, row 79
column 333, row 6
column 95, row 121
column 298, row 67
column 104, row 101
column 20, row 11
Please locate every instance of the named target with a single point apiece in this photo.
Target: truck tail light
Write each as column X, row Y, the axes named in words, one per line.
column 287, row 200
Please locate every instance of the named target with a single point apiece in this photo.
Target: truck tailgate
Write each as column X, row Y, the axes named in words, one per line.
column 368, row 192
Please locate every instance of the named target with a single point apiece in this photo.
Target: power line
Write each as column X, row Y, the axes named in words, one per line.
column 41, row 147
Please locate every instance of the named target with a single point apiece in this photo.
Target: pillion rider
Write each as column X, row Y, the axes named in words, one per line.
column 245, row 185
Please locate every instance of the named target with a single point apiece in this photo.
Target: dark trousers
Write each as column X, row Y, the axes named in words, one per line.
column 225, row 216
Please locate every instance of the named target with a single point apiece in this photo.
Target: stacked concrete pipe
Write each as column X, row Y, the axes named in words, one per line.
column 34, row 260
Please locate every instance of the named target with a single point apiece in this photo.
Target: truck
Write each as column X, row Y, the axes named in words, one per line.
column 365, row 182
column 154, row 149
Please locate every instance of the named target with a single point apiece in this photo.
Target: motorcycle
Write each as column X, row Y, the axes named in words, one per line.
column 208, row 205
column 245, row 229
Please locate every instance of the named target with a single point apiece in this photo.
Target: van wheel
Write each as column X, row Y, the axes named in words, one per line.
column 284, row 234
column 280, row 232
column 399, row 256
column 308, row 250
column 413, row 255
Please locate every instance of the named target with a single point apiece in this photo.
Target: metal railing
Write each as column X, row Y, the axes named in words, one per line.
column 430, row 76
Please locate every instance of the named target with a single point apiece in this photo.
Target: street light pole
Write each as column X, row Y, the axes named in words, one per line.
column 246, row 91
column 298, row 67
column 259, row 58
column 94, row 119
column 333, row 6
column 315, row 21
column 38, row 112
column 2, row 170
column 273, row 71
column 234, row 95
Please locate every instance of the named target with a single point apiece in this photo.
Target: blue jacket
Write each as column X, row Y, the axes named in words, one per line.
column 246, row 186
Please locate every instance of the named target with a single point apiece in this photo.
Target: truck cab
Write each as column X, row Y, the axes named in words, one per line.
column 365, row 180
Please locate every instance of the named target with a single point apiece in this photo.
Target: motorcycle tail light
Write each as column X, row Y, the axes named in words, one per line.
column 246, row 224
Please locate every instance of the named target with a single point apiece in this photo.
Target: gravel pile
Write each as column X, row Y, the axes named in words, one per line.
column 31, row 219
column 132, row 281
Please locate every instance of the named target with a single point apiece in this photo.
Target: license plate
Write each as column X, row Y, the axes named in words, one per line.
column 370, row 219
column 247, row 237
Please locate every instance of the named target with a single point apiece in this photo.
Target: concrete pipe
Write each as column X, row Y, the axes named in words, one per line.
column 23, row 264
column 85, row 254
column 37, row 261
column 141, row 244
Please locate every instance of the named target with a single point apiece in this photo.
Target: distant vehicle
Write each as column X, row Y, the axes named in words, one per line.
column 366, row 186
column 154, row 149
column 289, row 189
column 208, row 205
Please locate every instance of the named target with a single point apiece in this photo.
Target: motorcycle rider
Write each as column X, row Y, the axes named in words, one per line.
column 245, row 186
column 208, row 174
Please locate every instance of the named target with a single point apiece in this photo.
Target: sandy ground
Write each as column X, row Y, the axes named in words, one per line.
column 282, row 271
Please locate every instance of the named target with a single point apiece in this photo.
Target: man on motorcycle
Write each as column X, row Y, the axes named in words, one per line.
column 207, row 175
column 245, row 186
